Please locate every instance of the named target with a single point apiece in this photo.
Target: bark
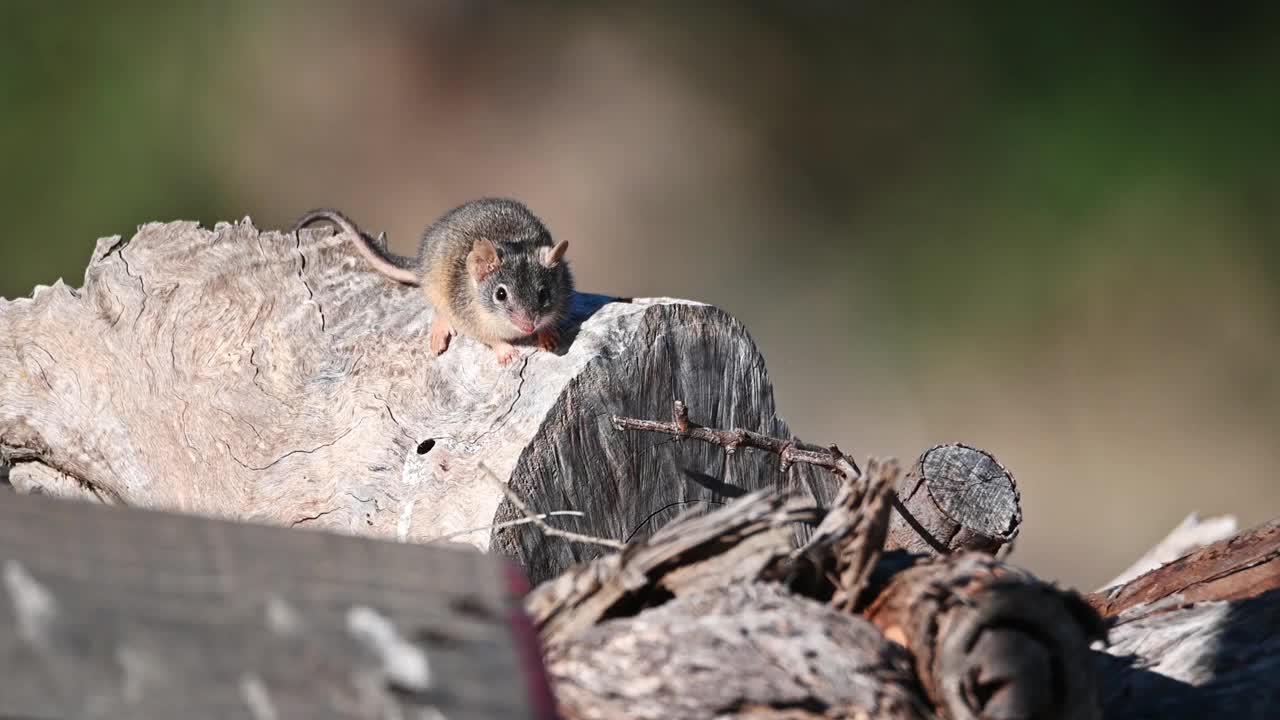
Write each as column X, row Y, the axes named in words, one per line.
column 991, row 641
column 983, row 639
column 1190, row 535
column 742, row 542
column 1242, row 566
column 739, row 651
column 275, row 378
column 847, row 545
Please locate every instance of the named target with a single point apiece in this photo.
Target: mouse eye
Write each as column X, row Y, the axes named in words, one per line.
column 544, row 296
column 500, row 294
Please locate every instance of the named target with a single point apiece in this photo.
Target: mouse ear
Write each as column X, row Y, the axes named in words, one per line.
column 483, row 259
column 551, row 256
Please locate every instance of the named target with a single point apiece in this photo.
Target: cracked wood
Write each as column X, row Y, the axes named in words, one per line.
column 273, row 377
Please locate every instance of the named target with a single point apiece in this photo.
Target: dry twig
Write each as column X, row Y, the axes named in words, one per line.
column 789, row 451
column 541, row 524
column 510, row 523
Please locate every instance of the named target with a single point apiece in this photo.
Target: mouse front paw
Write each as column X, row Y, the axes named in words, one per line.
column 506, row 352
column 441, row 333
column 548, row 339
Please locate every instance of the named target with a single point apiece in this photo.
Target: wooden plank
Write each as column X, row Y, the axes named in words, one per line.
column 124, row 613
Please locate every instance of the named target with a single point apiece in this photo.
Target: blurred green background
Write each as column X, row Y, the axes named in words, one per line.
column 1049, row 232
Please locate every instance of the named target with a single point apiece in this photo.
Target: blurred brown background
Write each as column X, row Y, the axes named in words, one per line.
column 1049, row 233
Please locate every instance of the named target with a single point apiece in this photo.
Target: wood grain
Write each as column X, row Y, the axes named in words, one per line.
column 125, row 613
column 955, row 498
column 273, row 377
column 740, row 651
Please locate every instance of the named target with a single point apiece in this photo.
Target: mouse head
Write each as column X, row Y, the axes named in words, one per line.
column 526, row 284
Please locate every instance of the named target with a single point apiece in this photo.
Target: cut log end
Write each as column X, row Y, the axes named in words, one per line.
column 956, row 498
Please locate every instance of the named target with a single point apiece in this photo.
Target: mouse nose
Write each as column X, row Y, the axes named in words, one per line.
column 523, row 322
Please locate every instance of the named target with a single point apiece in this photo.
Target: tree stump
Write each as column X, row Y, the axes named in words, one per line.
column 273, row 377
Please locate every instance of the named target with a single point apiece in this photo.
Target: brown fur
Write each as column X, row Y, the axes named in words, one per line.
column 490, row 269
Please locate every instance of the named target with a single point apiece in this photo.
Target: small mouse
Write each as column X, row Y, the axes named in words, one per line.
column 489, row 267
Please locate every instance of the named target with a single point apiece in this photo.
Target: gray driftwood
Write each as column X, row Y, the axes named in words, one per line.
column 739, row 543
column 122, row 613
column 266, row 376
column 984, row 639
column 1209, row 659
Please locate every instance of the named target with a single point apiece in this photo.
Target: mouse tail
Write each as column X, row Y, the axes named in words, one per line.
column 397, row 267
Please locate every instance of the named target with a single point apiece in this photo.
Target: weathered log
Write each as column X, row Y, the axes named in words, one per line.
column 743, row 542
column 273, row 377
column 126, row 613
column 955, row 498
column 296, row 387
column 1240, row 567
column 742, row 651
column 848, row 543
column 990, row 641
column 1172, row 661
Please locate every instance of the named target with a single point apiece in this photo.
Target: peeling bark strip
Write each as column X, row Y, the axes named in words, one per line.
column 990, row 641
column 124, row 613
column 628, row 636
column 849, row 541
column 1190, row 535
column 742, row 542
column 741, row 651
column 274, row 377
column 1242, row 566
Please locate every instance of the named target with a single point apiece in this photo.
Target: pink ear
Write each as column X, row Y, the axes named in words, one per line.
column 552, row 256
column 483, row 259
